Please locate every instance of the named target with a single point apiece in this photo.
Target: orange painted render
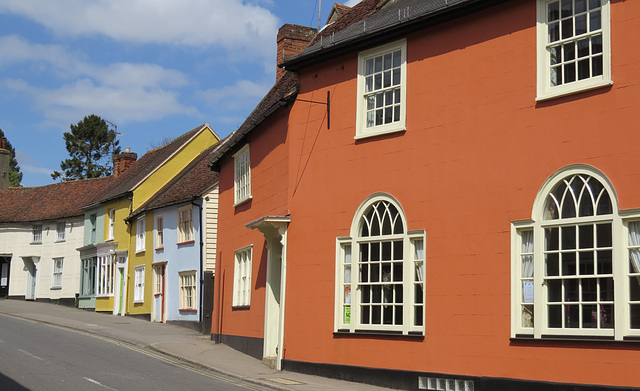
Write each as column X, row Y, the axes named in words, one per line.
column 477, row 149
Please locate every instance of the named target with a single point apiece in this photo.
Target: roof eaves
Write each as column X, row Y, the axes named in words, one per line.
column 385, row 25
column 195, row 134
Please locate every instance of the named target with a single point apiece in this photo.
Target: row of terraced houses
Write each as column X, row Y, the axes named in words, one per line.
column 434, row 195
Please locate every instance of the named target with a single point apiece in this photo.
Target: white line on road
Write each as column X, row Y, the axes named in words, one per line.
column 31, row 355
column 98, row 383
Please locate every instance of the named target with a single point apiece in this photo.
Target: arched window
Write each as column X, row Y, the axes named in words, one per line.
column 571, row 273
column 380, row 271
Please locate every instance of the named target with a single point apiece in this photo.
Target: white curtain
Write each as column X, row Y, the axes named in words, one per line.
column 634, row 253
column 527, row 254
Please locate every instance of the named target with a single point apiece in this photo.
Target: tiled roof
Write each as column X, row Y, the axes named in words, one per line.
column 191, row 182
column 372, row 21
column 282, row 91
column 125, row 182
column 51, row 202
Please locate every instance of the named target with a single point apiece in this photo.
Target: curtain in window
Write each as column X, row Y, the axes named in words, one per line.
column 634, row 241
column 527, row 254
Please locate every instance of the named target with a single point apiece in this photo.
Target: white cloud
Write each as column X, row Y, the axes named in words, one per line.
column 351, row 3
column 29, row 165
column 231, row 24
column 236, row 96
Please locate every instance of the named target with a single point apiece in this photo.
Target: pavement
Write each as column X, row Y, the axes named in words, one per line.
column 178, row 342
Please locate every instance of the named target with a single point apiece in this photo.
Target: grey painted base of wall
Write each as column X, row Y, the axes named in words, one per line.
column 407, row 380
column 65, row 301
column 146, row 317
column 197, row 326
column 249, row 346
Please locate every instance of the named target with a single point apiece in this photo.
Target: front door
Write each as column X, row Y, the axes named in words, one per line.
column 30, row 293
column 119, row 296
column 159, row 293
column 4, row 276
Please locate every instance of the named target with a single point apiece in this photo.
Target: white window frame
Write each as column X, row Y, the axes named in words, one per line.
column 60, row 231
column 242, row 175
column 106, row 266
column 188, row 291
column 185, row 224
column 349, row 288
column 36, row 233
column 533, row 291
column 56, row 273
column 544, row 56
column 112, row 224
column 159, row 231
column 138, row 287
column 362, row 131
column 140, row 234
column 242, row 271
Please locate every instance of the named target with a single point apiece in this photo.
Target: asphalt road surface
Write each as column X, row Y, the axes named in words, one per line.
column 38, row 357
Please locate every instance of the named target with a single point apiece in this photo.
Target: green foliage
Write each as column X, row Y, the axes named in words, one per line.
column 15, row 176
column 92, row 146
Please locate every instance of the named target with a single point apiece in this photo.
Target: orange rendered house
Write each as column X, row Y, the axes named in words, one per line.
column 442, row 196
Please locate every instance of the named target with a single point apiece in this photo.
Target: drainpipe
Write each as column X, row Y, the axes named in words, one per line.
column 200, row 309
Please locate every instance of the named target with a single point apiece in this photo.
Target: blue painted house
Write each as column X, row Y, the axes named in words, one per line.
column 184, row 237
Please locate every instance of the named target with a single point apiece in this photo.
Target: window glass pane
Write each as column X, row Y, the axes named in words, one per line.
column 586, row 263
column 396, row 77
column 572, row 314
column 583, row 69
column 604, row 205
column 571, row 290
column 606, row 316
column 551, row 238
column 589, row 289
column 378, row 64
column 634, row 316
column 569, row 264
column 555, row 316
column 583, row 47
column 594, row 4
column 603, row 235
column 554, row 32
column 569, row 51
column 387, row 61
column 556, row 79
column 568, row 238
column 567, row 8
column 590, row 316
column 585, row 233
column 604, row 262
column 552, row 262
column 596, row 64
column 581, row 6
column 554, row 291
column 581, row 24
column 567, row 28
column 606, row 289
column 369, row 67
column 634, row 288
column 595, row 21
column 570, row 76
column 387, row 79
column 553, row 11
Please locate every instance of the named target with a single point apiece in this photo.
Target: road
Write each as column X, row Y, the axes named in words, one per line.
column 39, row 357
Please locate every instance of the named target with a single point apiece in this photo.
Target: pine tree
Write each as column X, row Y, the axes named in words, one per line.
column 91, row 145
column 15, row 176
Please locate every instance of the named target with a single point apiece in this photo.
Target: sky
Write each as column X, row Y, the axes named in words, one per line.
column 154, row 69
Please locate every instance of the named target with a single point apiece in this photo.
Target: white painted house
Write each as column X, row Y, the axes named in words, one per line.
column 40, row 230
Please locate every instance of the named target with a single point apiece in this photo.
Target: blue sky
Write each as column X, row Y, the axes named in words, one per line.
column 154, row 68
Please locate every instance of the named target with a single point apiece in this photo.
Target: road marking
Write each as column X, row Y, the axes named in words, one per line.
column 98, row 383
column 31, row 355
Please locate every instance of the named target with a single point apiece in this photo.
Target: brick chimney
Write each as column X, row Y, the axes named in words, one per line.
column 123, row 161
column 5, row 160
column 292, row 39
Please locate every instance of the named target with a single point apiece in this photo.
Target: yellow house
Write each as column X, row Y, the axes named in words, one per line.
column 123, row 273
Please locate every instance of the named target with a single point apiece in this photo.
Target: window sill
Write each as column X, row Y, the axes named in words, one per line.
column 381, row 132
column 545, row 96
column 60, row 241
column 56, row 288
column 139, row 251
column 187, row 242
column 241, row 307
column 138, row 302
column 160, row 249
column 573, row 339
column 238, row 203
column 188, row 310
column 109, row 240
column 365, row 333
column 35, row 243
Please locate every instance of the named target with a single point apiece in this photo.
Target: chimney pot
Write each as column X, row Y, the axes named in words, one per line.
column 292, row 39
